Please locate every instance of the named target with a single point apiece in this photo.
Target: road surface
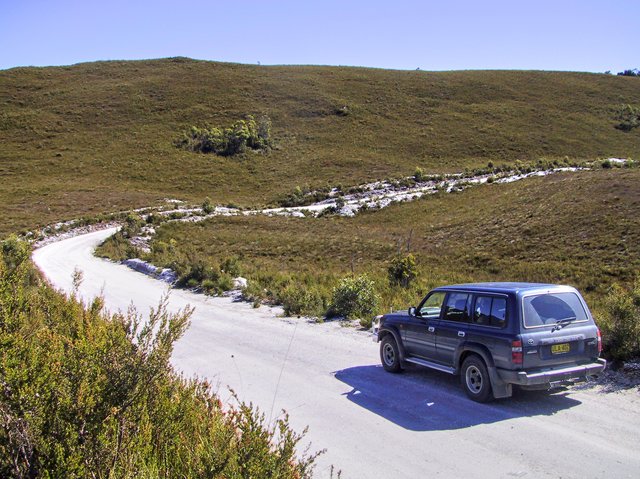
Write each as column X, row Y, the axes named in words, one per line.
column 372, row 423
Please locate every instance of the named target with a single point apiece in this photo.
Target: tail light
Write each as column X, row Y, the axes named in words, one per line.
column 599, row 342
column 516, row 352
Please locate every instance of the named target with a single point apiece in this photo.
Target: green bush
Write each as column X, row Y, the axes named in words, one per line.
column 621, row 323
column 199, row 273
column 628, row 117
column 231, row 266
column 402, row 270
column 85, row 394
column 355, row 297
column 117, row 248
column 207, row 206
column 243, row 134
column 300, row 300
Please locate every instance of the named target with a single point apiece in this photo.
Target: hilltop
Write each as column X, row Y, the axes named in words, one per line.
column 99, row 137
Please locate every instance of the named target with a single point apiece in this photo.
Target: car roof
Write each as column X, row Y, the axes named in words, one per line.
column 505, row 287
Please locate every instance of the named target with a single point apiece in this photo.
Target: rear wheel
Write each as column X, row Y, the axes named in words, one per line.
column 475, row 379
column 390, row 354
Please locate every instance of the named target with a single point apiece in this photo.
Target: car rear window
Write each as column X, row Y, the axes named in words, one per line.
column 549, row 308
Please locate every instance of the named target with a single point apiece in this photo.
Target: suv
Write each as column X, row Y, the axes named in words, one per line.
column 495, row 335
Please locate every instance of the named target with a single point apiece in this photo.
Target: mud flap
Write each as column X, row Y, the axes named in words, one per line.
column 500, row 388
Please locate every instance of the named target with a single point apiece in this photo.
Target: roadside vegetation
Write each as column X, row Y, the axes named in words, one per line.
column 576, row 228
column 99, row 137
column 87, row 394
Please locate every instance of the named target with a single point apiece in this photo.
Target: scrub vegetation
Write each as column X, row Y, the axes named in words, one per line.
column 99, row 137
column 87, row 394
column 242, row 135
column 575, row 228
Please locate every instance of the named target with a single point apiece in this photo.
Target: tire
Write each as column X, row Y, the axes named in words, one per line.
column 390, row 355
column 475, row 379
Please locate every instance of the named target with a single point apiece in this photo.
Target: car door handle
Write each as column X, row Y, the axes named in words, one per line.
column 461, row 334
column 431, row 329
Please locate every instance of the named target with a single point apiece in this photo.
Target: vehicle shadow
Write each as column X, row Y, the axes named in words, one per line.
column 426, row 400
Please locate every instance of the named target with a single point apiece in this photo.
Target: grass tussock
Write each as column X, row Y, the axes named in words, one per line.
column 85, row 394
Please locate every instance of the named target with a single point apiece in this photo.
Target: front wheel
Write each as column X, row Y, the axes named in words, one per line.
column 475, row 379
column 390, row 355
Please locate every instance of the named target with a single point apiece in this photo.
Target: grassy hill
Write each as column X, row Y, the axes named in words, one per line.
column 98, row 137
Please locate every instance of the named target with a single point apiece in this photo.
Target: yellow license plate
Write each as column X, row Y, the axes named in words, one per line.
column 560, row 348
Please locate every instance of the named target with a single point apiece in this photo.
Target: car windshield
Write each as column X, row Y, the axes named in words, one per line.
column 549, row 308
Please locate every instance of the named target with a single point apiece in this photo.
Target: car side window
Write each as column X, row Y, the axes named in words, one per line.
column 499, row 312
column 482, row 311
column 490, row 311
column 455, row 308
column 432, row 306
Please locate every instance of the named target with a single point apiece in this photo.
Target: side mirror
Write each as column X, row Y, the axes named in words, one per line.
column 412, row 311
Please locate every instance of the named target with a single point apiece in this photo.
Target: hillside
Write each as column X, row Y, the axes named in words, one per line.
column 98, row 137
column 574, row 228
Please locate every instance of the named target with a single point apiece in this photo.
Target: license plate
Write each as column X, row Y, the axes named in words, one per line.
column 560, row 348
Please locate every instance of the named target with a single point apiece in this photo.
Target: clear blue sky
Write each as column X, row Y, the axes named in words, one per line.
column 577, row 35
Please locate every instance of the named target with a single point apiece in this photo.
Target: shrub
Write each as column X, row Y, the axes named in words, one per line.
column 355, row 297
column 418, row 175
column 207, row 206
column 628, row 117
column 231, row 266
column 402, row 270
column 235, row 139
column 299, row 300
column 255, row 293
column 132, row 225
column 621, row 325
column 117, row 248
column 86, row 394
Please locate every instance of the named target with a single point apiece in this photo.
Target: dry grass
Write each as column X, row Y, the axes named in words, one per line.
column 577, row 228
column 97, row 137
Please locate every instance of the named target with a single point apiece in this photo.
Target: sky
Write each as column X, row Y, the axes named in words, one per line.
column 571, row 35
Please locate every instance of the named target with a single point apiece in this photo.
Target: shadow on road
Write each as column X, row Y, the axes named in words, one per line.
column 424, row 400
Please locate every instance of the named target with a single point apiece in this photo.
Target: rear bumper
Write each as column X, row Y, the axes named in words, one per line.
column 531, row 378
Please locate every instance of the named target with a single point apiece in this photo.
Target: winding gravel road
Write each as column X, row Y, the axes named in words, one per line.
column 373, row 424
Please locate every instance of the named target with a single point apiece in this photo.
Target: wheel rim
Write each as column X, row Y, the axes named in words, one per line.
column 474, row 379
column 388, row 355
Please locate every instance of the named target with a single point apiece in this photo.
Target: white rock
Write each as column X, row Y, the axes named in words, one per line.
column 239, row 282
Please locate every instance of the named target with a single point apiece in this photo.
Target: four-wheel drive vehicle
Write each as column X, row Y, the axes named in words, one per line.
column 495, row 335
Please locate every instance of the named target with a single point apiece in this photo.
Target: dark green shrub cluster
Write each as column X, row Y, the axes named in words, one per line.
column 207, row 206
column 621, row 323
column 118, row 247
column 200, row 273
column 305, row 196
column 632, row 72
column 355, row 297
column 301, row 300
column 84, row 394
column 628, row 117
column 242, row 135
column 402, row 270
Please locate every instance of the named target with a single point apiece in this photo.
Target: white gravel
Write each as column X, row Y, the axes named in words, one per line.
column 373, row 424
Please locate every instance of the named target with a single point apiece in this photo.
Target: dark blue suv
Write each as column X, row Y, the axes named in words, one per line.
column 495, row 335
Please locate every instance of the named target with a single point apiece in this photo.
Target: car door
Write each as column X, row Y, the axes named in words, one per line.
column 418, row 335
column 452, row 327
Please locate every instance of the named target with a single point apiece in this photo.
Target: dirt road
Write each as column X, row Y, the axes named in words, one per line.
column 373, row 424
